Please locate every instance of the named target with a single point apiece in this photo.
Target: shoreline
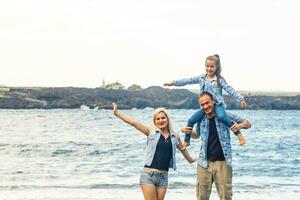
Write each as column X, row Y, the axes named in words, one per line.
column 152, row 97
column 134, row 194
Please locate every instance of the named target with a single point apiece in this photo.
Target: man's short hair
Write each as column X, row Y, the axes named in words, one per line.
column 206, row 93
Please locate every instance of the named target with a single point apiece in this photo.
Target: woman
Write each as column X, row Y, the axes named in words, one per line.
column 162, row 142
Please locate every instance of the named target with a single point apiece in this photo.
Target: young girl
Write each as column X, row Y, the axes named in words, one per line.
column 214, row 83
column 162, row 142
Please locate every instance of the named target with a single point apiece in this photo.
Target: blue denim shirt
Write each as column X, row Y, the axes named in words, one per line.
column 211, row 86
column 152, row 141
column 202, row 132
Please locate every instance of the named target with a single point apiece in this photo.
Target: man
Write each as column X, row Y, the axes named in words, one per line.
column 215, row 157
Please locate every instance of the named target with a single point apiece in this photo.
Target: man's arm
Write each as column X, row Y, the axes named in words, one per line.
column 243, row 125
column 240, row 123
column 195, row 134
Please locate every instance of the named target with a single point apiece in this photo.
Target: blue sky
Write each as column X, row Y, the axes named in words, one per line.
column 81, row 42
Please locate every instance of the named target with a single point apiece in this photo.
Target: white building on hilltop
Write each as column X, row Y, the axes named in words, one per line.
column 3, row 89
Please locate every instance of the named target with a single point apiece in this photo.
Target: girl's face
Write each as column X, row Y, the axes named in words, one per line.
column 161, row 121
column 210, row 67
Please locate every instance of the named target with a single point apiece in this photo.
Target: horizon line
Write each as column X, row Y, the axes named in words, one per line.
column 192, row 90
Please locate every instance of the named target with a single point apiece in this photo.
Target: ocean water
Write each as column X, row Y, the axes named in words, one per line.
column 90, row 154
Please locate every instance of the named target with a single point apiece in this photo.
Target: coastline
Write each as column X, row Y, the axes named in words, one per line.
column 152, row 97
column 134, row 194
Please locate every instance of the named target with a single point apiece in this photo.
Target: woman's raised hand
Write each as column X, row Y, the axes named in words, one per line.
column 114, row 108
column 139, row 126
column 243, row 104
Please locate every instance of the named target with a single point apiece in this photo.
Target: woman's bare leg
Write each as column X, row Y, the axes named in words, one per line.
column 149, row 191
column 161, row 192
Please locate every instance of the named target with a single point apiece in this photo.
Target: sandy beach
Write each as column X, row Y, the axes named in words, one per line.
column 134, row 194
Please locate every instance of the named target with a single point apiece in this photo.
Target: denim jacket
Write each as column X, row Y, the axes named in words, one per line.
column 202, row 133
column 211, row 86
column 152, row 141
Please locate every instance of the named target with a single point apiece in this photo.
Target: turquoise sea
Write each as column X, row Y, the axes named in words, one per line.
column 78, row 154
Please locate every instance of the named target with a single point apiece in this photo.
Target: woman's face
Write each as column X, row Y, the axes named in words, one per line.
column 161, row 120
column 210, row 67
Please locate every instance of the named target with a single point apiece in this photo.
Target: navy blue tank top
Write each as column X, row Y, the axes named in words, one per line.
column 163, row 154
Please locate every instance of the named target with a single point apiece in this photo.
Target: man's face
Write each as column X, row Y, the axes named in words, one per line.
column 206, row 104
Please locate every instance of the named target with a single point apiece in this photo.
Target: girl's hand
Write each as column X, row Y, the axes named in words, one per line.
column 114, row 108
column 243, row 104
column 168, row 84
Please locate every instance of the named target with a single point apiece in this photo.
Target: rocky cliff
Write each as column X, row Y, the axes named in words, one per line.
column 70, row 97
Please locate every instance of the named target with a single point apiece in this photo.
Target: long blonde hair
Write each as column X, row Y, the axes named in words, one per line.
column 170, row 125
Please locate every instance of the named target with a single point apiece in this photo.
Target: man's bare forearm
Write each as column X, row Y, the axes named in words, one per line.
column 245, row 124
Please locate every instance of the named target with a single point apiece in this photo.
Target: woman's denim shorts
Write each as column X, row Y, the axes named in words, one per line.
column 156, row 178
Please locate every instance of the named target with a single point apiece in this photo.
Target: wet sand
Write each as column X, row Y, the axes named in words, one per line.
column 133, row 194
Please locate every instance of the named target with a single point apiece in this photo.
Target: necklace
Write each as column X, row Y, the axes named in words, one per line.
column 164, row 134
column 166, row 139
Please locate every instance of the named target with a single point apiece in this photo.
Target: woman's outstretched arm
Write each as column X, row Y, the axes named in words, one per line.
column 139, row 126
column 185, row 152
column 187, row 156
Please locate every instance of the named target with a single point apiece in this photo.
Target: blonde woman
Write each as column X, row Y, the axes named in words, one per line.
column 162, row 142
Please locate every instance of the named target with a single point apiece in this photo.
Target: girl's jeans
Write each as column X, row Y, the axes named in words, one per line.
column 199, row 114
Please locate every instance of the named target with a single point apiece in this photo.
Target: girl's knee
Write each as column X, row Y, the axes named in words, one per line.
column 191, row 122
column 221, row 116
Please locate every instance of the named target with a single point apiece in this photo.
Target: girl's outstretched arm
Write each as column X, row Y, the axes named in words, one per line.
column 139, row 126
column 232, row 92
column 186, row 81
column 183, row 82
